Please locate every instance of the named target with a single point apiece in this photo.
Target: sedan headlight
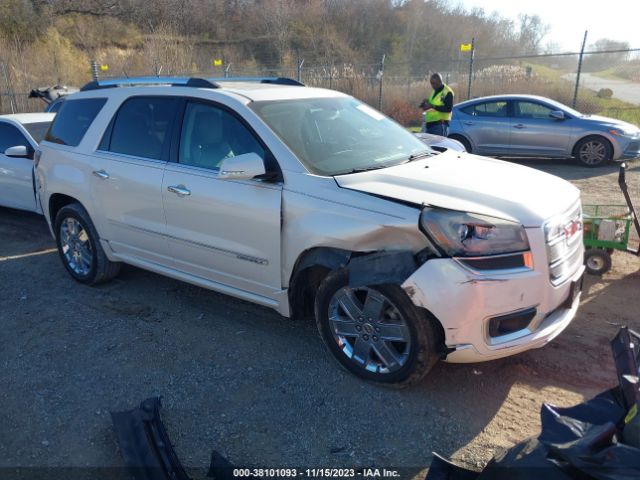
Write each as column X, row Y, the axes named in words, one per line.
column 625, row 131
column 473, row 235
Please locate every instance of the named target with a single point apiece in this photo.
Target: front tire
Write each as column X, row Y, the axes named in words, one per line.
column 376, row 332
column 593, row 151
column 79, row 247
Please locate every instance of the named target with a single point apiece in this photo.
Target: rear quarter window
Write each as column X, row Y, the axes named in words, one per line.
column 73, row 120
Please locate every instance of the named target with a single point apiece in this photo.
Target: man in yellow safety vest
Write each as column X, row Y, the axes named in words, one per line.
column 437, row 108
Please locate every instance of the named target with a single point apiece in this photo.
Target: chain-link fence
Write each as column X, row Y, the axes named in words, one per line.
column 605, row 82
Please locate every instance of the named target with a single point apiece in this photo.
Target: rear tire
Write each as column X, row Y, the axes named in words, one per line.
column 597, row 261
column 395, row 345
column 465, row 143
column 79, row 247
column 593, row 151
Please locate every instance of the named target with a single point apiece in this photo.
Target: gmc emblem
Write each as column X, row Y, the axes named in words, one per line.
column 571, row 228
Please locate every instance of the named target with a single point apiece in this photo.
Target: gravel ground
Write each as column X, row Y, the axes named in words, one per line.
column 255, row 386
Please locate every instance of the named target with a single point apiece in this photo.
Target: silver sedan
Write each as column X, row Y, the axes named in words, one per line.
column 532, row 126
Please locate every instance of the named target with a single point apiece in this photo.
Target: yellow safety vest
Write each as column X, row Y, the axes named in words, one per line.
column 437, row 100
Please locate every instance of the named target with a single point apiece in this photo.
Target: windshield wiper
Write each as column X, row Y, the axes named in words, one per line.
column 415, row 156
column 362, row 169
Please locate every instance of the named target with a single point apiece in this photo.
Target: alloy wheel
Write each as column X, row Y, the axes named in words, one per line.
column 76, row 246
column 593, row 152
column 369, row 329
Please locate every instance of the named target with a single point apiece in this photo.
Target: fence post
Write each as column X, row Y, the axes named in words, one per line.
column 10, row 92
column 473, row 51
column 300, row 70
column 380, row 75
column 575, row 93
column 94, row 70
column 331, row 76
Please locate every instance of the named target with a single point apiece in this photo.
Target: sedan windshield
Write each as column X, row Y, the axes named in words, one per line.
column 37, row 130
column 562, row 106
column 333, row 136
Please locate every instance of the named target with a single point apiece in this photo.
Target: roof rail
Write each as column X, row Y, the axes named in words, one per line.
column 134, row 81
column 272, row 80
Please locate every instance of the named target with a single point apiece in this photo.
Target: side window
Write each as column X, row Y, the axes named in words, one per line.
column 142, row 127
column 10, row 136
column 487, row 109
column 532, row 110
column 211, row 134
column 73, row 120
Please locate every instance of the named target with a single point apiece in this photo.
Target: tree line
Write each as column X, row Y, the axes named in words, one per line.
column 275, row 32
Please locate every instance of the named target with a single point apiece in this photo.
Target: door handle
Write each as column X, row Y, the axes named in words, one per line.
column 101, row 174
column 468, row 123
column 519, row 125
column 179, row 190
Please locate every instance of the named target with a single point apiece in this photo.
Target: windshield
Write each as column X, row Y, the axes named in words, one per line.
column 332, row 136
column 562, row 106
column 37, row 130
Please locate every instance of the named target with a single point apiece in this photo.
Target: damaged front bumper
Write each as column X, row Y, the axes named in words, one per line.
column 497, row 314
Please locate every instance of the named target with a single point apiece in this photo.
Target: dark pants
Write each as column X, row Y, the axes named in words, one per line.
column 441, row 129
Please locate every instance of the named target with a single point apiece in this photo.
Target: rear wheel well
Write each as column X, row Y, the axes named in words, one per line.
column 56, row 202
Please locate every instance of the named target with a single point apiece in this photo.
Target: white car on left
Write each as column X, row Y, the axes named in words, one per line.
column 19, row 137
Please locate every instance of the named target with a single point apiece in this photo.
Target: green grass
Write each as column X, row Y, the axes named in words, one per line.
column 609, row 74
column 610, row 107
column 544, row 72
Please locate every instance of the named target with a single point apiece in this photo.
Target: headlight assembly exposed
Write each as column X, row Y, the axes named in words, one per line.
column 473, row 235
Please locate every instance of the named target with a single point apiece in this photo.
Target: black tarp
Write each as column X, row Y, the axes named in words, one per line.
column 585, row 441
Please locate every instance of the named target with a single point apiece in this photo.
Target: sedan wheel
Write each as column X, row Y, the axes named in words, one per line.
column 593, row 151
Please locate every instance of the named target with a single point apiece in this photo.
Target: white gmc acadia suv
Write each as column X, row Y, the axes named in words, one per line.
column 313, row 203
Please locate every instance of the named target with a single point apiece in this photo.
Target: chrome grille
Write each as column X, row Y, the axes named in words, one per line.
column 563, row 235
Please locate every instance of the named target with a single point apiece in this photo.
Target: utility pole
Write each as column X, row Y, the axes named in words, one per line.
column 473, row 51
column 575, row 93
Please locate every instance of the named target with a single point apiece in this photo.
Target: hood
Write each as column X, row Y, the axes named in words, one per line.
column 470, row 183
column 611, row 121
column 440, row 143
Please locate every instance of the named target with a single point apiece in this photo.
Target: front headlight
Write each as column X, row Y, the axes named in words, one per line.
column 625, row 131
column 472, row 235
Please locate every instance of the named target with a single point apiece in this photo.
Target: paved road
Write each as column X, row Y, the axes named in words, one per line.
column 622, row 89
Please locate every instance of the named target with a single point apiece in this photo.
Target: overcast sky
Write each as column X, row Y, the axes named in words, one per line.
column 568, row 19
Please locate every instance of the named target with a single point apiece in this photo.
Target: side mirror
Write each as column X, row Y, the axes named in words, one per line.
column 19, row 151
column 242, row 167
column 557, row 114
